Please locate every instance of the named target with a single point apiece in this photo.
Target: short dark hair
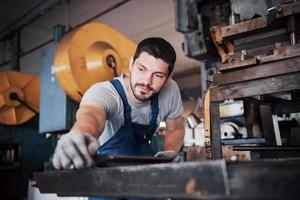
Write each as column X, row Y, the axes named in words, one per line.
column 158, row 48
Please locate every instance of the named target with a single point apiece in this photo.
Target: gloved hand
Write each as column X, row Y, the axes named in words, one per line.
column 74, row 150
column 170, row 154
column 166, row 154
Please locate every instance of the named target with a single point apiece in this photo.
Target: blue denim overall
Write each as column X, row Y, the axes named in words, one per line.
column 132, row 138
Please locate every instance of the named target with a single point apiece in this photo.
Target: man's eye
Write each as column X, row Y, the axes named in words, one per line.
column 159, row 75
column 140, row 69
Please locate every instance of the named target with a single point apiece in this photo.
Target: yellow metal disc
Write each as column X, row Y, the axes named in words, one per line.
column 26, row 88
column 81, row 58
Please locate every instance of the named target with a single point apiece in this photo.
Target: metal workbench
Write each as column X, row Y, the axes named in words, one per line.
column 268, row 179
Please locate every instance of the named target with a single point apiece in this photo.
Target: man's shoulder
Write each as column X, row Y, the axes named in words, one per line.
column 99, row 89
column 169, row 91
column 102, row 86
column 104, row 95
column 170, row 87
column 170, row 100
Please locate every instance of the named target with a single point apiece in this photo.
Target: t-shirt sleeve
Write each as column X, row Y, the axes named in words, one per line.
column 104, row 95
column 174, row 102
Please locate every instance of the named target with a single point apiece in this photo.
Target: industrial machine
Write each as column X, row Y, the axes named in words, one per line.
column 47, row 104
column 19, row 138
column 19, row 107
column 254, row 45
column 19, row 97
column 92, row 53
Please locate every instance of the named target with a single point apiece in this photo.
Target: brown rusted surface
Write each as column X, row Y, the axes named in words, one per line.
column 282, row 53
column 207, row 124
column 192, row 190
column 267, row 85
column 237, row 63
column 229, row 154
column 245, row 26
column 259, row 71
column 257, row 56
column 224, row 47
column 190, row 186
column 261, row 22
column 237, row 60
column 289, row 9
column 196, row 153
column 188, row 180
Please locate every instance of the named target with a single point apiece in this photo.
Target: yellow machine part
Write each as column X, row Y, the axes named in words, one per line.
column 19, row 97
column 82, row 57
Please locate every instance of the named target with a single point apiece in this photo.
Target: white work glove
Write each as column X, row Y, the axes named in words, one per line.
column 170, row 155
column 166, row 154
column 75, row 150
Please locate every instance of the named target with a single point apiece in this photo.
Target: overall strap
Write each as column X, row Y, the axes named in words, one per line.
column 127, row 109
column 154, row 110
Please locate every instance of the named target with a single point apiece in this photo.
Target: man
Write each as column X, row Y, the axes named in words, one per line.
column 123, row 114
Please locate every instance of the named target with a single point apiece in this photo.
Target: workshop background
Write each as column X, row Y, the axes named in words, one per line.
column 30, row 25
column 237, row 69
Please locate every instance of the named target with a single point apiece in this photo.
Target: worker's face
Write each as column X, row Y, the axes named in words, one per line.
column 148, row 75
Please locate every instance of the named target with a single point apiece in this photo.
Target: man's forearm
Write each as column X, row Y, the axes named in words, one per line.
column 174, row 139
column 90, row 119
column 86, row 125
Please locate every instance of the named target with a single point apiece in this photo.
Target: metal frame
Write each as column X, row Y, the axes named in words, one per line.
column 241, row 89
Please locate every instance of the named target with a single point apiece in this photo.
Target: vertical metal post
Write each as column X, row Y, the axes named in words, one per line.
column 267, row 124
column 58, row 32
column 276, row 130
column 216, row 132
column 292, row 28
column 203, row 79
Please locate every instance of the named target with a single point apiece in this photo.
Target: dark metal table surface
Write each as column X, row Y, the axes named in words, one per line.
column 268, row 179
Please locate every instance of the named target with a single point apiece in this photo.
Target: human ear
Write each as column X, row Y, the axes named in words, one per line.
column 130, row 63
column 170, row 76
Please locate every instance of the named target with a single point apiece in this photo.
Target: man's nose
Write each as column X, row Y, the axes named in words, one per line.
column 148, row 79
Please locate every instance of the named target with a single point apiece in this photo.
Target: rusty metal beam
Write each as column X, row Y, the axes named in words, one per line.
column 245, row 26
column 267, row 85
column 192, row 180
column 279, row 53
column 258, row 71
column 261, row 22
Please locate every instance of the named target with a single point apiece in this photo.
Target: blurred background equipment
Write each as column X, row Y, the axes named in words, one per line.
column 19, row 97
column 192, row 120
column 254, row 45
column 92, row 53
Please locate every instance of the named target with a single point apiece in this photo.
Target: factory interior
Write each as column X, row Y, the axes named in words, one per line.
column 237, row 69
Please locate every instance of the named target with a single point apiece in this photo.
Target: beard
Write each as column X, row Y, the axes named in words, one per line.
column 139, row 93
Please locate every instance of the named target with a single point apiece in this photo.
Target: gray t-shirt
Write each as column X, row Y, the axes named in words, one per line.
column 107, row 97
